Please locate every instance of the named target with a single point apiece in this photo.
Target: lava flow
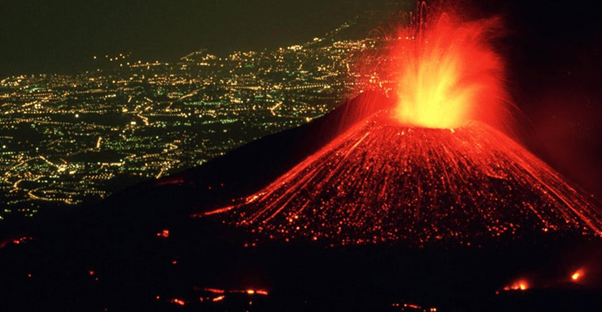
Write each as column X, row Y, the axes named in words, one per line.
column 382, row 182
column 434, row 169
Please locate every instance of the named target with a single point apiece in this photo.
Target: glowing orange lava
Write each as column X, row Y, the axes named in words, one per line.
column 219, row 298
column 520, row 285
column 448, row 73
column 178, row 302
column 577, row 275
column 164, row 234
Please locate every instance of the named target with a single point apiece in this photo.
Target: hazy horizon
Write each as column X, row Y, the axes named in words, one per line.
column 63, row 36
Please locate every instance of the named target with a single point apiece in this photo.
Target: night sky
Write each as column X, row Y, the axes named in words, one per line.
column 553, row 49
column 40, row 35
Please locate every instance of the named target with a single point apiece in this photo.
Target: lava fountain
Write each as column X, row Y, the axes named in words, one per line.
column 448, row 74
column 433, row 169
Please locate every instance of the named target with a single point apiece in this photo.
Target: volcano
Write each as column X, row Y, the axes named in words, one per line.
column 429, row 168
column 395, row 184
column 383, row 182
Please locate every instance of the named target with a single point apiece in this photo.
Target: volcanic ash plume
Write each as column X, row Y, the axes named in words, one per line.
column 423, row 172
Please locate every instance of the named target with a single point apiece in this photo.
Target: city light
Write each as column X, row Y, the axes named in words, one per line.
column 111, row 140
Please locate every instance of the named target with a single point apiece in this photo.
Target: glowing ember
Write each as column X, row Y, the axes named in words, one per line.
column 164, row 234
column 577, row 275
column 214, row 290
column 16, row 241
column 178, row 302
column 448, row 72
column 219, row 298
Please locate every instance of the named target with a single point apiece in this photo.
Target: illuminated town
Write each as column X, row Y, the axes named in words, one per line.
column 69, row 140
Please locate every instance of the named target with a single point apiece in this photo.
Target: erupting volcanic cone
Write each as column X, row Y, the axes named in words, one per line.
column 382, row 182
column 425, row 171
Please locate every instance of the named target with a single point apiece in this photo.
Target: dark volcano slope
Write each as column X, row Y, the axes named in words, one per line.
column 248, row 168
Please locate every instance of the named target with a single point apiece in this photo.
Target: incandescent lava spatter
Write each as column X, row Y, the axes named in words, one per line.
column 383, row 182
